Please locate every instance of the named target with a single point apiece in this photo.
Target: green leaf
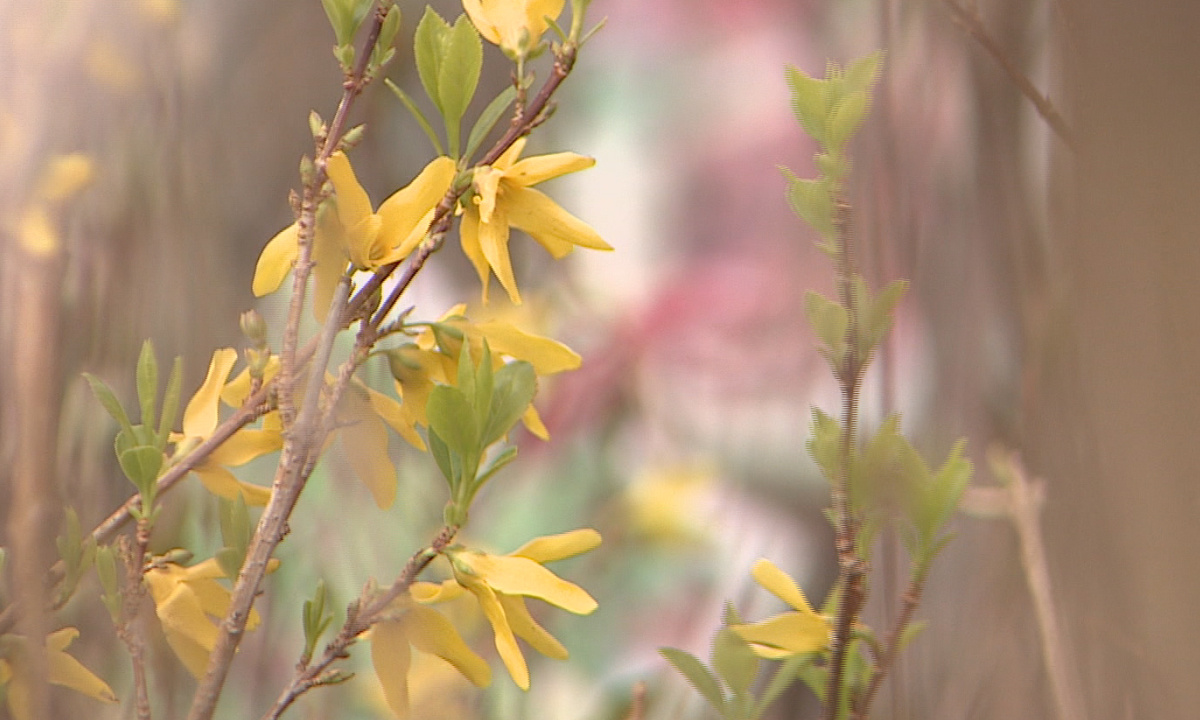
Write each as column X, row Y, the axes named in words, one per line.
column 106, row 570
column 458, row 77
column 516, row 384
column 147, row 383
column 880, row 315
column 485, row 385
column 808, row 102
column 170, row 408
column 488, row 119
column 845, row 119
column 441, row 454
column 417, row 115
column 816, row 677
column 734, row 661
column 948, row 485
column 453, row 419
column 696, row 674
column 504, row 458
column 235, row 523
column 338, row 12
column 316, row 620
column 383, row 50
column 428, row 44
column 785, row 675
column 830, row 320
column 812, row 202
column 862, row 74
column 109, row 400
column 230, row 561
column 141, row 465
column 875, row 467
column 825, row 445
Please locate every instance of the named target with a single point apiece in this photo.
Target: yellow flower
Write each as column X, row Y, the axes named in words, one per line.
column 791, row 633
column 428, row 631
column 516, row 26
column 503, row 198
column 350, row 232
column 199, row 421
column 501, row 582
column 61, row 669
column 417, row 367
column 189, row 603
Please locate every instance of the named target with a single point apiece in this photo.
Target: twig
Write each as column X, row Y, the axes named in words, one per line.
column 970, row 22
column 360, row 616
column 129, row 628
column 886, row 660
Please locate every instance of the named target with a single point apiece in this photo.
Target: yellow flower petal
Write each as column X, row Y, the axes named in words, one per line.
column 408, row 211
column 393, row 414
column 200, row 417
column 430, row 632
column 353, row 204
column 506, row 642
column 189, row 631
column 554, row 228
column 64, row 670
column 559, row 547
column 533, row 423
column 427, row 592
column 65, row 176
column 780, row 584
column 546, row 355
column 793, row 632
column 329, row 258
column 539, row 168
column 365, row 441
column 246, row 445
column 493, row 241
column 468, row 234
column 222, row 483
column 238, row 389
column 521, row 576
column 276, row 261
column 392, row 657
column 525, row 627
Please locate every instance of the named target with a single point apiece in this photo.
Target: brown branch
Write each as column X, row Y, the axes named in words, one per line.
column 886, row 660
column 969, row 21
column 360, row 616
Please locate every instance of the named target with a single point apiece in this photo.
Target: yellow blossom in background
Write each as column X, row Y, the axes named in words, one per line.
column 63, row 177
column 502, row 582
column 673, row 503
column 427, row 630
column 61, row 669
column 516, row 26
column 791, row 633
column 350, row 232
column 200, row 419
column 189, row 603
column 504, row 198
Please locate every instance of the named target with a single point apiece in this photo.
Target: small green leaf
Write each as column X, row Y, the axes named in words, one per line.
column 230, row 561
column 696, row 674
column 516, row 384
column 106, row 570
column 453, row 419
column 147, row 383
column 383, row 50
column 862, row 74
column 235, row 524
column 735, row 663
column 109, row 400
column 812, row 202
column 339, row 14
column 417, row 115
column 825, row 445
column 170, row 408
column 846, row 118
column 785, row 675
column 879, row 317
column 830, row 321
column 807, row 102
column 428, row 44
column 441, row 454
column 485, row 385
column 458, row 77
column 488, row 119
column 816, row 677
column 141, row 465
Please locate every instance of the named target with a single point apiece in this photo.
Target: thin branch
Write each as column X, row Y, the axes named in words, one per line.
column 886, row 660
column 360, row 616
column 969, row 21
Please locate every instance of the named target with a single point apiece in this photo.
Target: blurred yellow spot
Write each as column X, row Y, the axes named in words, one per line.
column 112, row 68
column 671, row 503
column 65, row 176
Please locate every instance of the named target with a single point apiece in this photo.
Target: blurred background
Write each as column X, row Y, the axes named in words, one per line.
column 1054, row 313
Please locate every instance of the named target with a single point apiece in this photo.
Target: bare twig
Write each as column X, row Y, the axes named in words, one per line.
column 969, row 21
column 886, row 660
column 129, row 626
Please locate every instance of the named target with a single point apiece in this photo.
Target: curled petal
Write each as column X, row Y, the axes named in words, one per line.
column 353, row 204
column 200, row 417
column 559, row 547
column 430, row 632
column 780, row 584
column 554, row 228
column 428, row 593
column 408, row 212
column 276, row 261
column 546, row 355
column 64, row 670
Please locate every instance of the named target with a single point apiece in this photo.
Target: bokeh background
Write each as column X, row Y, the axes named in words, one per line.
column 1054, row 314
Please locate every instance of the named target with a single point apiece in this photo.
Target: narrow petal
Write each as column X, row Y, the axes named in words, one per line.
column 792, row 631
column 393, row 414
column 521, row 576
column 525, row 627
column 533, row 423
column 506, row 642
column 546, row 355
column 468, row 233
column 64, row 670
column 509, row 157
column 412, row 240
column 245, row 445
column 428, row 593
column 480, row 20
column 276, row 261
column 549, row 548
column 493, row 239
column 190, row 633
column 487, row 188
column 430, row 632
column 404, row 210
column 237, row 390
column 539, row 168
column 353, row 204
column 366, row 446
column 549, row 224
column 329, row 257
column 222, row 483
column 200, row 417
column 392, row 657
column 780, row 584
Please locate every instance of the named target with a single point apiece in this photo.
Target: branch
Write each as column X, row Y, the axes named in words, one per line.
column 969, row 21
column 886, row 660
